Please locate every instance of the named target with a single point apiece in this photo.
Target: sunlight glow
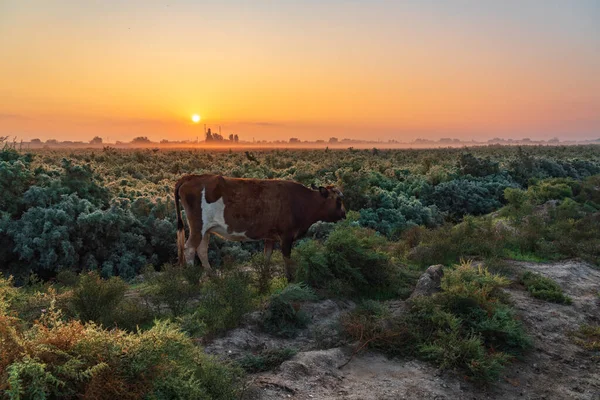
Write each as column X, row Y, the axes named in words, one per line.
column 195, row 118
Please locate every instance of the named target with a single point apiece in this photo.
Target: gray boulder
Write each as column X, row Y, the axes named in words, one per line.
column 430, row 282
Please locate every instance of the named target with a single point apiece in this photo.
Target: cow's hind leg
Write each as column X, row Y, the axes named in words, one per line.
column 190, row 248
column 286, row 249
column 203, row 254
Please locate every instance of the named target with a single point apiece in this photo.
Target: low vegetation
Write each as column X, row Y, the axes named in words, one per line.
column 59, row 358
column 266, row 360
column 530, row 228
column 588, row 337
column 353, row 262
column 112, row 210
column 467, row 327
column 173, row 288
column 283, row 316
column 544, row 288
column 225, row 300
column 95, row 305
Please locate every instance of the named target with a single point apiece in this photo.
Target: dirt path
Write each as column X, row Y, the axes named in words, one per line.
column 555, row 368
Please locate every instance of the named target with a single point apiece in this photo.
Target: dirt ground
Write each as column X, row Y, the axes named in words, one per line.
column 555, row 368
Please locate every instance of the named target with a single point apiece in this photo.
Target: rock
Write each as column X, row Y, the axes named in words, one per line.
column 430, row 282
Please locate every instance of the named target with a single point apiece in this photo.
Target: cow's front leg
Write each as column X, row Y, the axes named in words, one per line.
column 203, row 254
column 268, row 250
column 290, row 268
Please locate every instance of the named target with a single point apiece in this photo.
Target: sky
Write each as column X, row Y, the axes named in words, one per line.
column 271, row 70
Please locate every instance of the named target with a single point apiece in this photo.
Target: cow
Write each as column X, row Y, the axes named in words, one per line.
column 248, row 210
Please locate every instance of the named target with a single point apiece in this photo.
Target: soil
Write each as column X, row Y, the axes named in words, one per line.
column 555, row 368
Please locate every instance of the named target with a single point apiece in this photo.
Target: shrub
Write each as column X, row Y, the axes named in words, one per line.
column 283, row 316
column 474, row 237
column 31, row 305
column 224, row 301
column 588, row 337
column 263, row 271
column 312, row 263
column 468, row 164
column 544, row 288
column 67, row 277
column 58, row 359
column 352, row 262
column 526, row 231
column 468, row 196
column 173, row 287
column 8, row 293
column 266, row 360
column 551, row 189
column 96, row 299
column 467, row 327
column 517, row 200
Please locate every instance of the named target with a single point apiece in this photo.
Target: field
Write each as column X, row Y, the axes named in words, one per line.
column 92, row 304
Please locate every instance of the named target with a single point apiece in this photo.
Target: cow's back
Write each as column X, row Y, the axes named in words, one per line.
column 262, row 208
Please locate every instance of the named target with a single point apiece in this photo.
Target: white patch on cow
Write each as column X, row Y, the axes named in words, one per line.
column 213, row 220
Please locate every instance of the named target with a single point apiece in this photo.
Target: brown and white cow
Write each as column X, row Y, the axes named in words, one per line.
column 250, row 209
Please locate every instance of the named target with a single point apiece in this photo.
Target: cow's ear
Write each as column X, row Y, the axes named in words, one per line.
column 324, row 192
column 313, row 186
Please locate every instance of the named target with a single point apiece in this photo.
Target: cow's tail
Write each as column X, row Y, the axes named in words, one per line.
column 180, row 229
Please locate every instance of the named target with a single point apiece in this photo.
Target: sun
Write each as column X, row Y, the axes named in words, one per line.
column 195, row 118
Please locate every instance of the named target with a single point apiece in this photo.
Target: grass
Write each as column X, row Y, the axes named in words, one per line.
column 517, row 255
column 544, row 288
column 588, row 337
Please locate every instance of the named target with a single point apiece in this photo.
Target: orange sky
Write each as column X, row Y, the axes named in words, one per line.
column 71, row 70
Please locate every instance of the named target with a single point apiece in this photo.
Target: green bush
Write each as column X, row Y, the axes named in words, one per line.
column 451, row 348
column 467, row 327
column 312, row 263
column 353, row 261
column 224, row 301
column 567, row 228
column 551, row 189
column 103, row 301
column 263, row 271
column 174, row 287
column 266, row 360
column 67, row 277
column 474, row 237
column 283, row 316
column 96, row 299
column 544, row 288
column 69, row 360
column 113, row 211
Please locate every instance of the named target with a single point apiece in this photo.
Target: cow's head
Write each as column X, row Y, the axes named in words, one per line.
column 334, row 209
